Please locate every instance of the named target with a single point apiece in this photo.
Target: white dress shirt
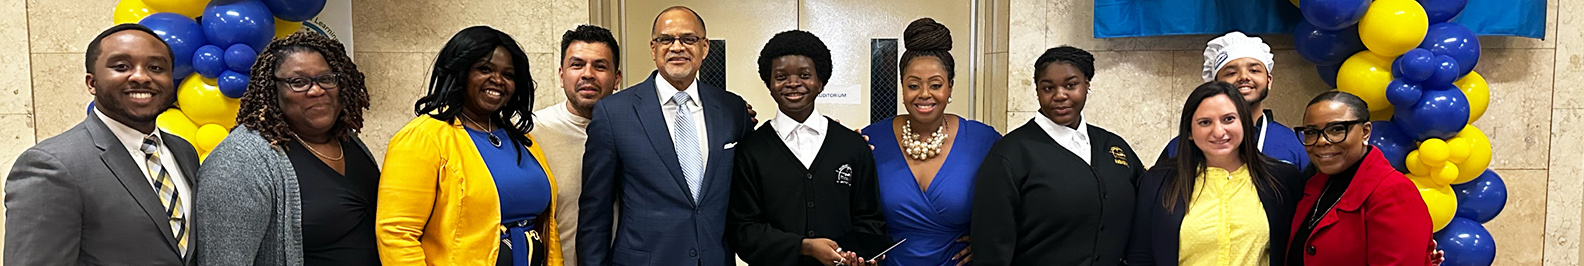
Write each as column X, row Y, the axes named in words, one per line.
column 665, row 91
column 133, row 140
column 804, row 139
column 1075, row 140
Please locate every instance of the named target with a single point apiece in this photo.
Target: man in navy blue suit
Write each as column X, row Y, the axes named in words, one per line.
column 660, row 153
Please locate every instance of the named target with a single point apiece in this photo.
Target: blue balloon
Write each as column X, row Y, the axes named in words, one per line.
column 1326, row 47
column 1333, row 14
column 295, row 10
column 1402, row 93
column 1392, row 143
column 1445, row 72
column 209, row 61
column 233, row 84
column 244, row 21
column 182, row 34
column 239, row 57
column 1466, row 243
column 1439, row 113
column 1457, row 41
column 1483, row 198
column 1442, row 10
column 1328, row 73
column 1414, row 66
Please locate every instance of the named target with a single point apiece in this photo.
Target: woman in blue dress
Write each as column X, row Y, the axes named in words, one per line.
column 927, row 159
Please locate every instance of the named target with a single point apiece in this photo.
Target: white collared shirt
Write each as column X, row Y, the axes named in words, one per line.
column 133, row 141
column 1075, row 140
column 696, row 106
column 804, row 139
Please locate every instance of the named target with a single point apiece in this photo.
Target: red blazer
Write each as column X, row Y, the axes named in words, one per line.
column 1380, row 220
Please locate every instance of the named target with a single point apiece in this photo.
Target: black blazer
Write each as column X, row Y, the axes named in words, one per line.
column 776, row 202
column 80, row 199
column 1035, row 203
column 1155, row 229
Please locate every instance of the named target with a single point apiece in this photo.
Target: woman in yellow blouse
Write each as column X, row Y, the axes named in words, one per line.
column 1219, row 202
column 465, row 184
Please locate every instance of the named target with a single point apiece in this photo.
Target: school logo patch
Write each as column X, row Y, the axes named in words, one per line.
column 844, row 175
column 1119, row 156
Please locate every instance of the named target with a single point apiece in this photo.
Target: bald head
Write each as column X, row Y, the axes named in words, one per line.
column 675, row 14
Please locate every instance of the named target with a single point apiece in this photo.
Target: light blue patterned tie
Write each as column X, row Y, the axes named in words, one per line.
column 685, row 140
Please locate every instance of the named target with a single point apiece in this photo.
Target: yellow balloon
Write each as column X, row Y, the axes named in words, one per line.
column 286, row 28
column 1415, row 166
column 176, row 123
column 1434, row 152
column 1295, row 2
column 209, row 136
column 202, row 101
column 1392, row 27
column 188, row 8
column 1444, row 175
column 1382, row 115
column 1460, row 149
column 1365, row 75
column 1442, row 202
column 131, row 11
column 1479, row 156
column 1477, row 92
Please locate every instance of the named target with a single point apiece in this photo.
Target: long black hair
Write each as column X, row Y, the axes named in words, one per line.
column 448, row 82
column 1190, row 160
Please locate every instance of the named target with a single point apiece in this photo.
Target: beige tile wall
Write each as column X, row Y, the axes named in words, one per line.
column 1536, row 118
column 397, row 54
column 44, row 41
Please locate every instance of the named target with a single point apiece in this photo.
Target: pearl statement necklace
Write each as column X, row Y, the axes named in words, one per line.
column 920, row 149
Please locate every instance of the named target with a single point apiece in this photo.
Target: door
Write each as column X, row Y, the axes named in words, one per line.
column 864, row 37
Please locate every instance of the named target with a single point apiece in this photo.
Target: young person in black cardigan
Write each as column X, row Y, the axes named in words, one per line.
column 804, row 190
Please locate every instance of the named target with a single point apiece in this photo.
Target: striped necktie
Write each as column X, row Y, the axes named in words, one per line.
column 686, row 143
column 168, row 195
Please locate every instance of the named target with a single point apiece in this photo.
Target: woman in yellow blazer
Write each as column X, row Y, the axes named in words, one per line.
column 465, row 183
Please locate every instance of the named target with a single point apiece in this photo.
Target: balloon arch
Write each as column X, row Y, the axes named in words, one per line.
column 215, row 45
column 1415, row 69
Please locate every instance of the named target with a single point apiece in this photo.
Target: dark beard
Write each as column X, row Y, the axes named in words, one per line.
column 1261, row 99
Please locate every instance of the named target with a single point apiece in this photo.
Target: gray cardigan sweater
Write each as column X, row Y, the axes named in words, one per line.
column 248, row 210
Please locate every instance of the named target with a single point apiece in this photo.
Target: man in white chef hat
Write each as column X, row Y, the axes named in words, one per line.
column 1246, row 62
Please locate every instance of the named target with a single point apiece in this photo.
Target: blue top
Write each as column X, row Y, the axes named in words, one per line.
column 931, row 220
column 523, row 185
column 1280, row 143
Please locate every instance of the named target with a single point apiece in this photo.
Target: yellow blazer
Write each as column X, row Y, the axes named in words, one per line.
column 438, row 204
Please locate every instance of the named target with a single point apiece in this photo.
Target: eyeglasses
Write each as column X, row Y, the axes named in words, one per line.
column 303, row 84
column 686, row 40
column 1334, row 132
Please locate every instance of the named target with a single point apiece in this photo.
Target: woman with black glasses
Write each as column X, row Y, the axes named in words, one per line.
column 292, row 184
column 1357, row 210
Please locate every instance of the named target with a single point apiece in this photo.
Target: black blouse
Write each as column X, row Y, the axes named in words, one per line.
column 338, row 210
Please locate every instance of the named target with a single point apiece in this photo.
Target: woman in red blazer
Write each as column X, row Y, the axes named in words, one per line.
column 1358, row 210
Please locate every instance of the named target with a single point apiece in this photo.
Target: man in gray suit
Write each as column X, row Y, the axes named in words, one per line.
column 113, row 190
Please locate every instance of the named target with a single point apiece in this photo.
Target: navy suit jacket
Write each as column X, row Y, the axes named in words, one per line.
column 630, row 165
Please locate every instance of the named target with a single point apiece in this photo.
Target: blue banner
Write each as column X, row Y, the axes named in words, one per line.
column 1138, row 18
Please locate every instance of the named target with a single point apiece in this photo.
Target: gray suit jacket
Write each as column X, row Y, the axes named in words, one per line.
column 71, row 203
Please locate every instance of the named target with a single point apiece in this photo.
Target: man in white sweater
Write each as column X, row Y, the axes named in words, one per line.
column 589, row 71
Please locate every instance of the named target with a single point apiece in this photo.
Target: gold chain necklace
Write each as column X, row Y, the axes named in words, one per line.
column 920, row 149
column 316, row 152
